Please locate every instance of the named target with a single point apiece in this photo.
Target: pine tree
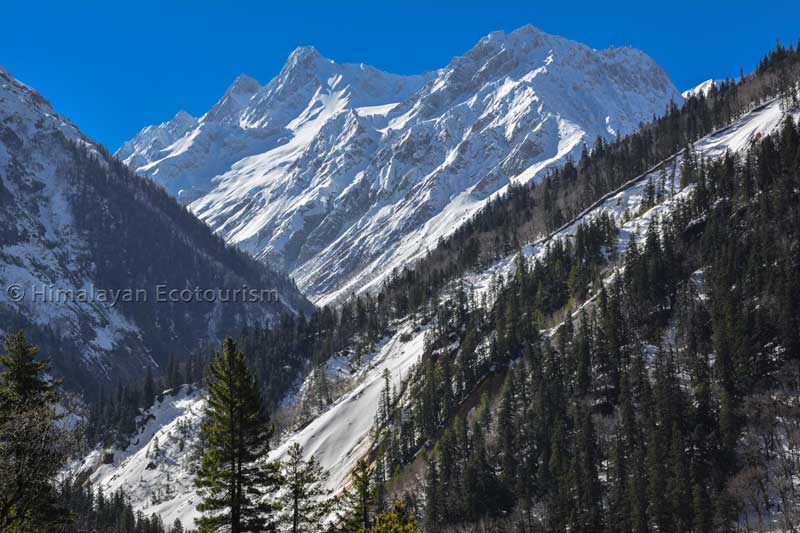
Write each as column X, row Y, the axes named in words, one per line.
column 505, row 430
column 232, row 480
column 432, row 497
column 656, row 476
column 33, row 447
column 637, row 494
column 583, row 356
column 305, row 501
column 589, row 487
column 321, row 389
column 702, row 509
column 679, row 488
column 359, row 499
column 177, row 526
column 172, row 373
column 617, row 516
column 21, row 380
column 383, row 413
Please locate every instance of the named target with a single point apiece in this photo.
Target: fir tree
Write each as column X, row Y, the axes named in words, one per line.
column 149, row 392
column 432, row 497
column 233, row 481
column 33, row 446
column 21, row 380
column 305, row 502
column 359, row 499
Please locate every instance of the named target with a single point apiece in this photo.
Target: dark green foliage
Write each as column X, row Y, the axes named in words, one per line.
column 141, row 238
column 358, row 502
column 525, row 212
column 305, row 503
column 33, row 447
column 676, row 461
column 95, row 511
column 22, row 380
column 398, row 519
column 277, row 354
column 634, row 416
column 233, row 479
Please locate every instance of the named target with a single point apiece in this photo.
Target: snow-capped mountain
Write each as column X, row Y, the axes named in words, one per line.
column 340, row 173
column 185, row 154
column 78, row 230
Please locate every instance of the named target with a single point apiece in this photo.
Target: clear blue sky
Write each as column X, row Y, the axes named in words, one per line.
column 114, row 68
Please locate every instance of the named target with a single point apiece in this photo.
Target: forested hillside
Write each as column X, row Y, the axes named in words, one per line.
column 78, row 227
column 666, row 400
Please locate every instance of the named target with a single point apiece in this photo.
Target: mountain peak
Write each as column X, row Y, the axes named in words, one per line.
column 56, row 168
column 528, row 29
column 305, row 58
column 244, row 84
column 304, row 176
column 302, row 53
column 524, row 34
column 234, row 100
column 701, row 89
column 183, row 117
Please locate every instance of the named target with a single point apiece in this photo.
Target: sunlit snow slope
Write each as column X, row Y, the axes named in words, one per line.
column 340, row 173
column 701, row 89
column 624, row 204
column 156, row 471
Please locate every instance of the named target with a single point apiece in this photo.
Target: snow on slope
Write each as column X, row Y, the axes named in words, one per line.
column 67, row 240
column 626, row 201
column 338, row 434
column 186, row 154
column 156, row 471
column 162, row 481
column 701, row 89
column 39, row 246
column 341, row 434
column 341, row 173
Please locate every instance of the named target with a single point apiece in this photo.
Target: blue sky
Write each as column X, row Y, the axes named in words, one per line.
column 114, row 68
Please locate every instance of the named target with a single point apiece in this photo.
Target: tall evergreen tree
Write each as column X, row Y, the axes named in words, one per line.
column 359, row 500
column 33, row 447
column 149, row 392
column 305, row 501
column 22, row 379
column 233, row 480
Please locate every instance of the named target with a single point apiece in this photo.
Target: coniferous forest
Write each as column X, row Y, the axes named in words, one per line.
column 654, row 388
column 667, row 403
